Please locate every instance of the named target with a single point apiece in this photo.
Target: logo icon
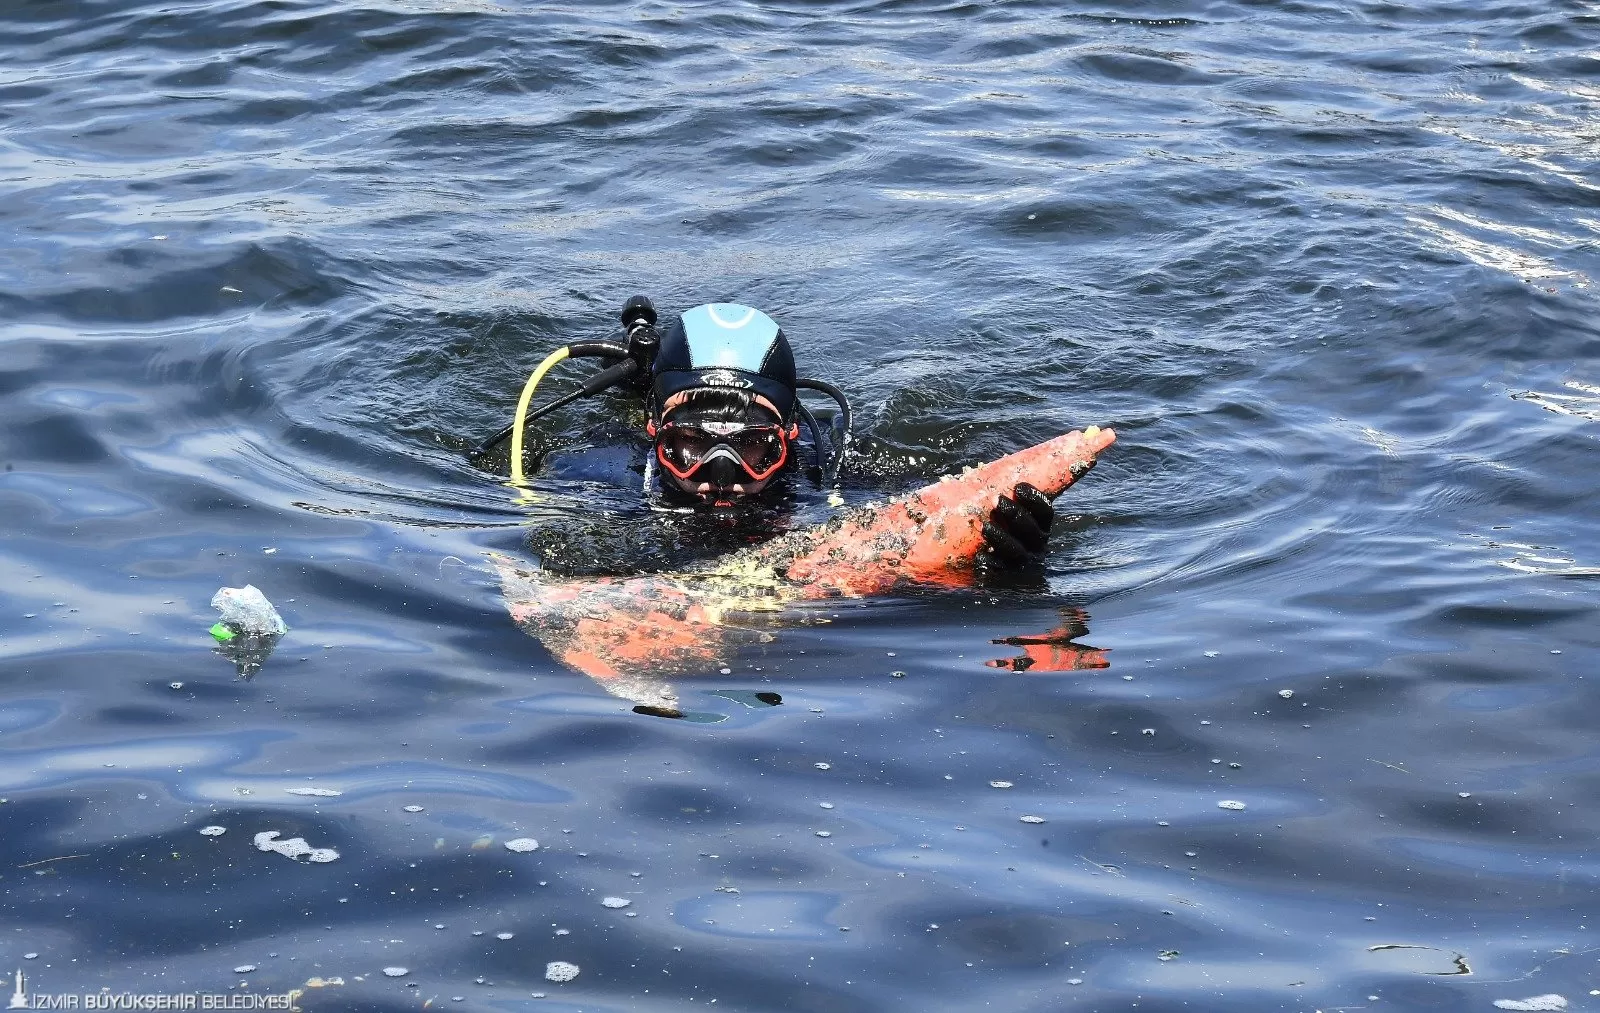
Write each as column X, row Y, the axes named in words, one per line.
column 19, row 995
column 723, row 378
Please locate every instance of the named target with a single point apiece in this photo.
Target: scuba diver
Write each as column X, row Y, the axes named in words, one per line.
column 723, row 417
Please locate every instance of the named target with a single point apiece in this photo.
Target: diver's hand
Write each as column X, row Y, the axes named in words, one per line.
column 1019, row 525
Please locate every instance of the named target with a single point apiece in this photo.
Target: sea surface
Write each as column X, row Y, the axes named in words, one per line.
column 1328, row 268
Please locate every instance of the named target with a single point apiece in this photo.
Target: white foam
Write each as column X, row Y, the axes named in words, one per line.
column 560, row 970
column 294, row 847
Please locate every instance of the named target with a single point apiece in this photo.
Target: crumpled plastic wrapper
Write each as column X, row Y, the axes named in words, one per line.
column 249, row 630
column 246, row 610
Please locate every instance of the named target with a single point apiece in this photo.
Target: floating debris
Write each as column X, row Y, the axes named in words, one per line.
column 1167, row 955
column 1000, row 784
column 412, row 808
column 1212, row 654
column 504, row 935
column 1537, row 1002
column 1229, row 803
column 175, row 685
column 825, row 805
column 396, row 972
column 897, row 675
column 294, row 848
column 246, row 610
column 1286, row 693
column 244, row 969
column 1032, row 819
column 824, row 833
column 315, row 792
column 213, row 831
column 560, row 970
column 823, row 766
column 522, row 844
column 615, row 902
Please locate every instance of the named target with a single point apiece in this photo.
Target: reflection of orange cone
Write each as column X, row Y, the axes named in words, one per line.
column 661, row 624
column 1054, row 650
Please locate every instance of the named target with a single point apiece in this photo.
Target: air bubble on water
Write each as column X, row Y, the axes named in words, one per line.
column 244, row 969
column 563, row 932
column 1229, row 803
column 412, row 808
column 1032, row 819
column 824, row 833
column 213, row 831
column 1147, row 731
column 396, row 972
column 504, row 935
column 615, row 902
column 999, row 784
column 823, row 766
column 1212, row 654
column 522, row 844
column 560, row 970
column 1464, row 794
column 175, row 685
column 825, row 805
column 1286, row 693
column 317, row 792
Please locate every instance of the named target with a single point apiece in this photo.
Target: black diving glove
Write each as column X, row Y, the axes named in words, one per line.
column 1019, row 526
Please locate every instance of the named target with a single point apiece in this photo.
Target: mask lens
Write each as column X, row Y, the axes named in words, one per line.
column 760, row 447
column 686, row 446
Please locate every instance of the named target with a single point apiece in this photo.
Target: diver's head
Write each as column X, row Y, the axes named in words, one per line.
column 722, row 401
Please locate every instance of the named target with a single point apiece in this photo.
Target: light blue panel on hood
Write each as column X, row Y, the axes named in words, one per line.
column 728, row 335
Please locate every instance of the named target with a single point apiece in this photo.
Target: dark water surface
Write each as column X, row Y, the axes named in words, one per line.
column 1328, row 268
